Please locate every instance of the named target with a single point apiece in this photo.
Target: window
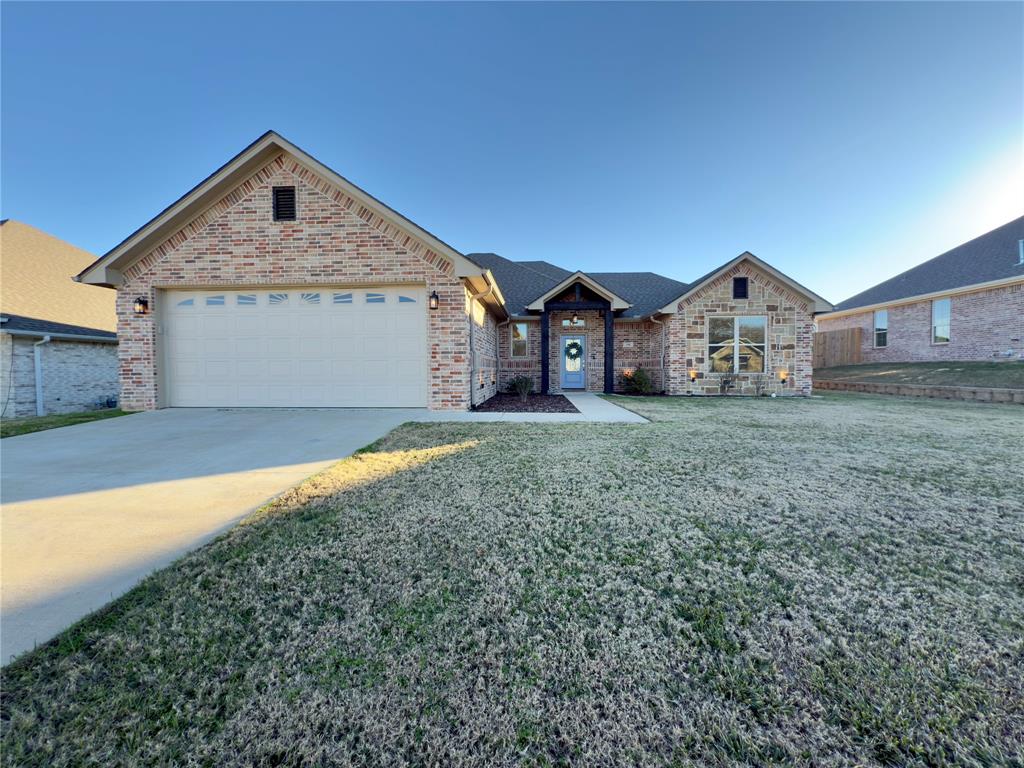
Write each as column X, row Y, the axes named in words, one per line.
column 579, row 322
column 278, row 298
column 740, row 288
column 736, row 344
column 520, row 339
column 374, row 298
column 309, row 298
column 284, row 203
column 246, row 299
column 882, row 328
column 186, row 302
column 343, row 298
column 406, row 300
column 940, row 321
column 215, row 301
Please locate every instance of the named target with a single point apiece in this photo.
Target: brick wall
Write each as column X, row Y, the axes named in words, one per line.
column 509, row 367
column 982, row 323
column 485, row 354
column 789, row 330
column 335, row 241
column 638, row 345
column 76, row 375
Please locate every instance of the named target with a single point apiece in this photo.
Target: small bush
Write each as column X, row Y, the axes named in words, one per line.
column 638, row 382
column 522, row 386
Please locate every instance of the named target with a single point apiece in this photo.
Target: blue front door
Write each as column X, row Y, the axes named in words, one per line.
column 574, row 362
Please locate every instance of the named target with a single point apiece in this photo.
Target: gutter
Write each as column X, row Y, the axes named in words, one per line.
column 60, row 336
column 37, row 357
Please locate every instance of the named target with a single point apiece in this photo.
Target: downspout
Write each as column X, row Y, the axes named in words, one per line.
column 473, row 298
column 37, row 358
column 664, row 384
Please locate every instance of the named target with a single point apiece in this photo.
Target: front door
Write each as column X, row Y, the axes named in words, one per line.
column 574, row 367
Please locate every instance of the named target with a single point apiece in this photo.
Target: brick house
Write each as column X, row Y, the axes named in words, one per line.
column 278, row 282
column 58, row 348
column 966, row 304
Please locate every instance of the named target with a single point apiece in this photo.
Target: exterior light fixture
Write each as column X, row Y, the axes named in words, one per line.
column 434, row 300
column 783, row 375
column 141, row 306
column 575, row 318
column 693, row 375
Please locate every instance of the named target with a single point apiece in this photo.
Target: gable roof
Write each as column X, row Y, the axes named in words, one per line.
column 985, row 259
column 819, row 304
column 523, row 282
column 107, row 269
column 616, row 301
column 38, row 281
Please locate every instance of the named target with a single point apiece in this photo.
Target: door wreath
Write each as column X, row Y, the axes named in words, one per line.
column 573, row 350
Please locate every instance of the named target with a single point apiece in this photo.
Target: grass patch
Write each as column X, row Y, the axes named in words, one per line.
column 826, row 581
column 1007, row 374
column 24, row 426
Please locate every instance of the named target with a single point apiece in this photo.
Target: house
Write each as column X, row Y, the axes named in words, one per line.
column 966, row 304
column 58, row 346
column 278, row 282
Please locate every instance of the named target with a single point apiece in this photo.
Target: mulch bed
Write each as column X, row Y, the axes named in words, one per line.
column 503, row 402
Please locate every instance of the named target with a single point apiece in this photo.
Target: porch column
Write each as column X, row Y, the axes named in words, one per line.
column 609, row 352
column 544, row 352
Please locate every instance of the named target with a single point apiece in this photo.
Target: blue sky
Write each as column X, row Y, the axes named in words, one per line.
column 840, row 142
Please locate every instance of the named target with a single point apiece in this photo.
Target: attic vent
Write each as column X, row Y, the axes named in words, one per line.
column 739, row 288
column 284, row 203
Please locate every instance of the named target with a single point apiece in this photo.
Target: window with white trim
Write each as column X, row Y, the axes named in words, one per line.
column 881, row 328
column 520, row 339
column 737, row 344
column 940, row 321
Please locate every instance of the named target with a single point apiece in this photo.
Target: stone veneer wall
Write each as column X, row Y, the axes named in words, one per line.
column 789, row 328
column 76, row 375
column 335, row 241
column 982, row 324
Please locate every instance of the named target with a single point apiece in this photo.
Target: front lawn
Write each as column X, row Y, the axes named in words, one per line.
column 14, row 427
column 1008, row 374
column 828, row 581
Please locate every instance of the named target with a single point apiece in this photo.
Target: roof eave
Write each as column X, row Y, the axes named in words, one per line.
column 924, row 297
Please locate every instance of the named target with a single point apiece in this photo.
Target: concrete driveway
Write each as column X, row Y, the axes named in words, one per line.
column 89, row 510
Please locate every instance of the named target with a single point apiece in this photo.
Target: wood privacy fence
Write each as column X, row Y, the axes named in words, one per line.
column 833, row 348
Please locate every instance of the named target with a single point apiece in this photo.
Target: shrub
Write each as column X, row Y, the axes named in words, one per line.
column 638, row 382
column 522, row 386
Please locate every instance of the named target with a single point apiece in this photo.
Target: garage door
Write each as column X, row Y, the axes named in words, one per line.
column 302, row 347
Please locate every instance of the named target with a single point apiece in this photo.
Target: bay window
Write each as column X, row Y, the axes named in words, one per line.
column 737, row 344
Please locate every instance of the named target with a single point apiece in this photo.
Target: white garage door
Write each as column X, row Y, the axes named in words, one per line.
column 296, row 347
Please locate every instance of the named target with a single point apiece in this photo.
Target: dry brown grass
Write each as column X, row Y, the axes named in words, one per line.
column 834, row 581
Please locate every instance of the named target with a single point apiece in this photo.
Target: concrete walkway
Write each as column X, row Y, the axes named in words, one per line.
column 592, row 408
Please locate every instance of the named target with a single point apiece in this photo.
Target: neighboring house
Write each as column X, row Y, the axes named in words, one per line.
column 58, row 349
column 277, row 282
column 967, row 304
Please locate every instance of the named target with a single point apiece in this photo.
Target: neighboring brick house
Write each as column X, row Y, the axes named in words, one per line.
column 58, row 349
column 967, row 304
column 278, row 282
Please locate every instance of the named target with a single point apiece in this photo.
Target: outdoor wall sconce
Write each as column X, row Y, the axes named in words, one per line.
column 575, row 318
column 783, row 376
column 141, row 306
column 693, row 375
column 434, row 300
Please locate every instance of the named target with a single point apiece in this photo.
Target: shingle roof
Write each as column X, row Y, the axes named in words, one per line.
column 523, row 281
column 14, row 323
column 993, row 256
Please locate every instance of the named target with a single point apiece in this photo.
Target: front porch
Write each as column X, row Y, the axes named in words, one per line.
column 577, row 342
